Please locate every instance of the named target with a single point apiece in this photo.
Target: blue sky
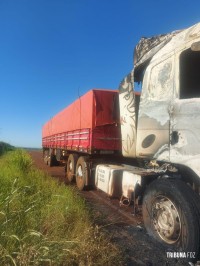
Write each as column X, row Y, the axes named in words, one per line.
column 51, row 51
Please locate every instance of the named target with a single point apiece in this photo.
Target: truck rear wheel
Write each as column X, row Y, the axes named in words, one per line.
column 171, row 215
column 81, row 173
column 45, row 156
column 71, row 167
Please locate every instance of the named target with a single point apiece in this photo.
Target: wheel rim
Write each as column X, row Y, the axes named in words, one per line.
column 70, row 166
column 79, row 176
column 166, row 219
column 69, row 172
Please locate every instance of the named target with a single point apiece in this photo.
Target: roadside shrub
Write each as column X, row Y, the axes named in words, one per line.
column 46, row 223
column 4, row 147
column 21, row 160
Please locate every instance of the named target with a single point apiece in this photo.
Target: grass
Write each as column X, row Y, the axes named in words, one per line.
column 46, row 223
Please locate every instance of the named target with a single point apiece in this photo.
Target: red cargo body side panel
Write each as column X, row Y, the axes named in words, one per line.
column 90, row 124
column 78, row 115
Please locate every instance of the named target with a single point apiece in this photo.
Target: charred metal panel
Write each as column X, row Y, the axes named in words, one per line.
column 185, row 133
column 153, row 138
column 127, row 116
column 154, row 48
column 153, row 121
column 145, row 51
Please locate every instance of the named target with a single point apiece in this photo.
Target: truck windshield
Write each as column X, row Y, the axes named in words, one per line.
column 189, row 74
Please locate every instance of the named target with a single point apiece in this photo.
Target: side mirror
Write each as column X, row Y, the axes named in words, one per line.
column 195, row 46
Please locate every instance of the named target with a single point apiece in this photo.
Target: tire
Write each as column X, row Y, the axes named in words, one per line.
column 71, row 167
column 82, row 173
column 171, row 215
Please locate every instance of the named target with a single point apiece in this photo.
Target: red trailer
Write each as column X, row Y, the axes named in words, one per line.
column 83, row 132
column 89, row 125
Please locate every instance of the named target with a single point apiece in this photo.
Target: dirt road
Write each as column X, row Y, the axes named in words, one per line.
column 125, row 229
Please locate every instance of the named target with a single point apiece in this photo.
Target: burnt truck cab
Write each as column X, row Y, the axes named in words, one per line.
column 163, row 133
column 166, row 127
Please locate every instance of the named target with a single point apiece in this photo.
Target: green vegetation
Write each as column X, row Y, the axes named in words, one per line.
column 4, row 147
column 46, row 223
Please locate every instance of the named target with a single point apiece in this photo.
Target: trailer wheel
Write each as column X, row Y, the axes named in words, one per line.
column 171, row 215
column 71, row 167
column 45, row 156
column 81, row 173
column 51, row 160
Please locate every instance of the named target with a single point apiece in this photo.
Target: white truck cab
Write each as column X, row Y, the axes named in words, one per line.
column 163, row 132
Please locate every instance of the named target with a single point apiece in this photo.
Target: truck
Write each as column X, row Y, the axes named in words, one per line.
column 143, row 148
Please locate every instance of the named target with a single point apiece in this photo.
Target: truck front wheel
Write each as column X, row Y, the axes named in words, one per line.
column 81, row 173
column 171, row 215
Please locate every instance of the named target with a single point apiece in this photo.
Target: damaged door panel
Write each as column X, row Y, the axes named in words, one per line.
column 156, row 97
column 185, row 115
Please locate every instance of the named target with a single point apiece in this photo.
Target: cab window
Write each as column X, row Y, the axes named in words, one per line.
column 189, row 74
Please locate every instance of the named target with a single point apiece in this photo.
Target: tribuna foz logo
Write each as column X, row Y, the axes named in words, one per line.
column 181, row 255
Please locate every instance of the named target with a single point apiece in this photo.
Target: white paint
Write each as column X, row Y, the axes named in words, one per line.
column 127, row 117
